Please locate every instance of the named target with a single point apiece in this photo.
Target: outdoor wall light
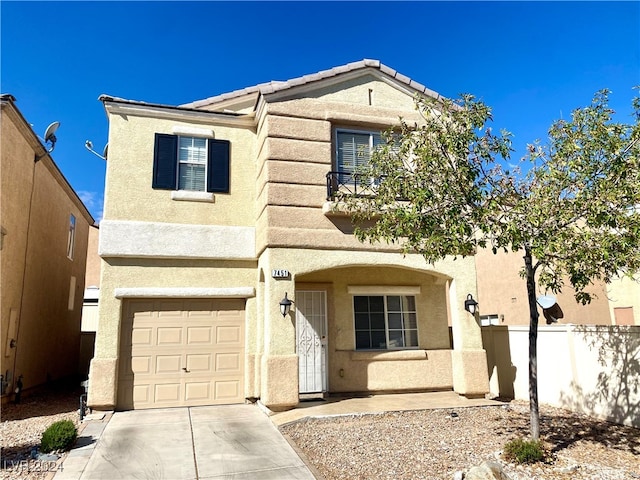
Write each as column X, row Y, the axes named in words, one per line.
column 285, row 305
column 470, row 304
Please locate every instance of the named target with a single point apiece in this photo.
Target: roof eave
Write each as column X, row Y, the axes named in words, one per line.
column 115, row 105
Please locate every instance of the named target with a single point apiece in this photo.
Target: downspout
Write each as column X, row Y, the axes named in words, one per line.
column 24, row 275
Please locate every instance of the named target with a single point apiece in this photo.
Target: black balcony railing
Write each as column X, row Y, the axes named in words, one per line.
column 350, row 184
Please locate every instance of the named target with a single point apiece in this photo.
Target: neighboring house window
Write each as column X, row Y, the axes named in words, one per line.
column 354, row 149
column 492, row 319
column 71, row 239
column 385, row 322
column 190, row 163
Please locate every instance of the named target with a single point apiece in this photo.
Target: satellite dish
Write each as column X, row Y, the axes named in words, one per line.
column 546, row 301
column 105, row 151
column 50, row 134
column 550, row 308
column 49, row 137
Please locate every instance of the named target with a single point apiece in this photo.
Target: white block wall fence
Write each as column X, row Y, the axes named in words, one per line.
column 587, row 369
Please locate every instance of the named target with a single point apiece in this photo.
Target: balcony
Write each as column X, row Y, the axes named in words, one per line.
column 349, row 184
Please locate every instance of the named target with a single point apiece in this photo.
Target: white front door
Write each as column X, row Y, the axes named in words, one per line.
column 311, row 340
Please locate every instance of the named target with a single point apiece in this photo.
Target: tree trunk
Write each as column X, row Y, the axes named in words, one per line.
column 533, row 345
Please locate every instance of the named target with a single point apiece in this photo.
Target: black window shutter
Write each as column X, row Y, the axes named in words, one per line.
column 218, row 167
column 165, row 157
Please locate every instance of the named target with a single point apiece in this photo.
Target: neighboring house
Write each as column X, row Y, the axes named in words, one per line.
column 44, row 228
column 502, row 296
column 624, row 300
column 89, row 324
column 219, row 211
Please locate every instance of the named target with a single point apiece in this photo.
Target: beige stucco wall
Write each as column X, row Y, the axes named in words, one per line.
column 369, row 89
column 296, row 151
column 128, row 192
column 92, row 276
column 42, row 289
column 503, row 292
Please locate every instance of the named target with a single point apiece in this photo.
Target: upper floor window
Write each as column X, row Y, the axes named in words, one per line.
column 385, row 322
column 354, row 149
column 71, row 237
column 191, row 163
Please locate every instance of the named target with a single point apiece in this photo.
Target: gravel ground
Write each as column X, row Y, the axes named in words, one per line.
column 22, row 426
column 431, row 444
column 434, row 444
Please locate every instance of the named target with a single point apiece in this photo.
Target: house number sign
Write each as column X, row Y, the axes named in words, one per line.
column 279, row 273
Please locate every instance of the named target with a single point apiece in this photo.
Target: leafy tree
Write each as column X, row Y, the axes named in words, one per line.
column 572, row 206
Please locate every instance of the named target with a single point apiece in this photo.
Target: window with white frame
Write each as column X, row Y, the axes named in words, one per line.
column 71, row 237
column 354, row 148
column 192, row 163
column 385, row 322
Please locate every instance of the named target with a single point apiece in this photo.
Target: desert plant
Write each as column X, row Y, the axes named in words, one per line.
column 60, row 435
column 524, row 451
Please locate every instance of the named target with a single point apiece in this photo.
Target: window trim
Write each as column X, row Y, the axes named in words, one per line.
column 357, row 291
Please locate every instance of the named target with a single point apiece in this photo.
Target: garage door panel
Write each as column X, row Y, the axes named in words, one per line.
column 142, row 308
column 183, row 353
column 167, row 392
column 166, row 308
column 228, row 335
column 200, row 308
column 197, row 363
column 141, row 394
column 228, row 363
column 199, row 335
column 228, row 390
column 169, row 336
column 141, row 365
column 142, row 336
column 197, row 391
column 168, row 364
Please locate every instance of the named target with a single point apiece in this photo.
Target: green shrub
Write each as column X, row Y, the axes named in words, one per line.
column 524, row 451
column 59, row 436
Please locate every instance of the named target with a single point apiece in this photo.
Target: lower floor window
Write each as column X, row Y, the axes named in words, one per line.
column 385, row 322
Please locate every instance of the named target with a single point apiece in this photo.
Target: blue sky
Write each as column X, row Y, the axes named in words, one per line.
column 532, row 62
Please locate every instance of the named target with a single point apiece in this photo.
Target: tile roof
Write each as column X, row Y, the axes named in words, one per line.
column 277, row 86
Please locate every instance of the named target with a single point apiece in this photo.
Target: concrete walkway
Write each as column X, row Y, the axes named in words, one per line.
column 219, row 442
column 378, row 404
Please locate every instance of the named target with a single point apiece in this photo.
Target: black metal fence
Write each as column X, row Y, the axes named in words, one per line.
column 349, row 183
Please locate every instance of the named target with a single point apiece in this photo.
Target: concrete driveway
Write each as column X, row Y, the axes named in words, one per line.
column 219, row 442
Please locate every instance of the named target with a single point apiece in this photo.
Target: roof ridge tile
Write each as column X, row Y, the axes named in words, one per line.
column 278, row 85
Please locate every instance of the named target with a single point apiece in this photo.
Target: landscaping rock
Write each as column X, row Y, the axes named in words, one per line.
column 487, row 471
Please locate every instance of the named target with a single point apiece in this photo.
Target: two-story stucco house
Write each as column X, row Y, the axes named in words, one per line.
column 219, row 210
column 43, row 247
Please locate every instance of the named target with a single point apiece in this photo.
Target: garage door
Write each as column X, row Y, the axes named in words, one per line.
column 181, row 353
